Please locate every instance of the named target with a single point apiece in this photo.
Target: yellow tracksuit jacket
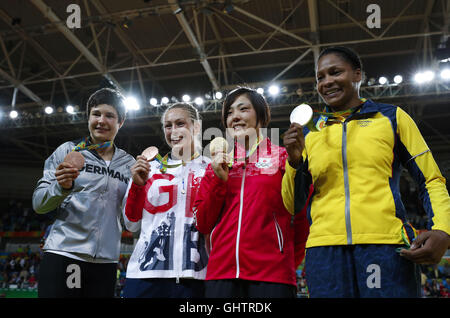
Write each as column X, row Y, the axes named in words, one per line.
column 355, row 168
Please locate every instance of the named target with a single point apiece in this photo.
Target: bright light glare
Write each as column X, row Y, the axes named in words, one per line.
column 48, row 110
column 164, row 100
column 429, row 75
column 398, row 79
column 445, row 74
column 199, row 101
column 219, row 95
column 274, row 90
column 186, row 98
column 13, row 114
column 131, row 103
column 423, row 77
column 153, row 101
column 70, row 109
column 260, row 90
column 382, row 80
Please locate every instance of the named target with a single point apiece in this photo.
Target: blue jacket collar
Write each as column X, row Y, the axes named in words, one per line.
column 369, row 106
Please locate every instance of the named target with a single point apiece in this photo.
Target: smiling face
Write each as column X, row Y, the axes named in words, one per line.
column 179, row 131
column 103, row 123
column 242, row 119
column 337, row 82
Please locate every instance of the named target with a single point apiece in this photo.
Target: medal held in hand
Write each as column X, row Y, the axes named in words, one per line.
column 76, row 159
column 303, row 115
column 150, row 153
column 218, row 144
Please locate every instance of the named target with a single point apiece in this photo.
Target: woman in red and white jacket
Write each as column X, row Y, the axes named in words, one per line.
column 239, row 204
column 170, row 257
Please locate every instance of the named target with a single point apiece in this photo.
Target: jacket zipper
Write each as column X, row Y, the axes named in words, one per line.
column 210, row 239
column 241, row 205
column 348, row 225
column 279, row 233
column 99, row 226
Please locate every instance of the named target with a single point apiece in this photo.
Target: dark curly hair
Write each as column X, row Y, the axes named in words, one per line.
column 345, row 53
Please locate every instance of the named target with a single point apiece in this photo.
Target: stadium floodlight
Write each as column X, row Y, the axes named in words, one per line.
column 445, row 74
column 164, row 100
column 419, row 78
column 13, row 114
column 131, row 103
column 48, row 110
column 219, row 95
column 186, row 98
column 274, row 90
column 153, row 101
column 382, row 80
column 423, row 77
column 398, row 79
column 429, row 76
column 260, row 90
column 199, row 101
column 70, row 109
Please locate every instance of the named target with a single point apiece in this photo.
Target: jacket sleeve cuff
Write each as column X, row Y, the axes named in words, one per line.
column 135, row 202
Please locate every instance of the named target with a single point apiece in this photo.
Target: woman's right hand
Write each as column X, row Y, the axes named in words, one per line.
column 294, row 141
column 65, row 173
column 219, row 163
column 140, row 170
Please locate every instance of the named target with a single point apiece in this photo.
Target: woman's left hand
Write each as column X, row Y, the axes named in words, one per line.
column 428, row 247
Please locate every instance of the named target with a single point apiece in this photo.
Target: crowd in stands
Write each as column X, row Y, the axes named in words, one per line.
column 19, row 270
column 436, row 280
column 17, row 217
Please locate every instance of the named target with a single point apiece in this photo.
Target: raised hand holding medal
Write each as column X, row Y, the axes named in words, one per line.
column 69, row 169
column 150, row 153
column 218, row 149
column 76, row 159
column 293, row 138
column 141, row 168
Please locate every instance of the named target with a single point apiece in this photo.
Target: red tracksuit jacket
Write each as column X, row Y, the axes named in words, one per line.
column 252, row 233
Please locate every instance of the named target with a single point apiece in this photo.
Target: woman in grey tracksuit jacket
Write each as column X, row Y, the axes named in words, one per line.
column 83, row 247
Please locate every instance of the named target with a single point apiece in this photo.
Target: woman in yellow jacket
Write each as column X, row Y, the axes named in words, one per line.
column 360, row 244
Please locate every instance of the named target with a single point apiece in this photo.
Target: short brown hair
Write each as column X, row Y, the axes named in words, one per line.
column 109, row 97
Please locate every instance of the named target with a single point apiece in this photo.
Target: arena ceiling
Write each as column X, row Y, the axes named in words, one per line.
column 156, row 48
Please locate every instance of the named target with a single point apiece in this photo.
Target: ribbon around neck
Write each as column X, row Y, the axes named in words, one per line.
column 86, row 145
column 259, row 139
column 164, row 165
column 333, row 117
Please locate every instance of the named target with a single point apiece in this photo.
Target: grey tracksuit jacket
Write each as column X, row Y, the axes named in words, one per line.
column 88, row 215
